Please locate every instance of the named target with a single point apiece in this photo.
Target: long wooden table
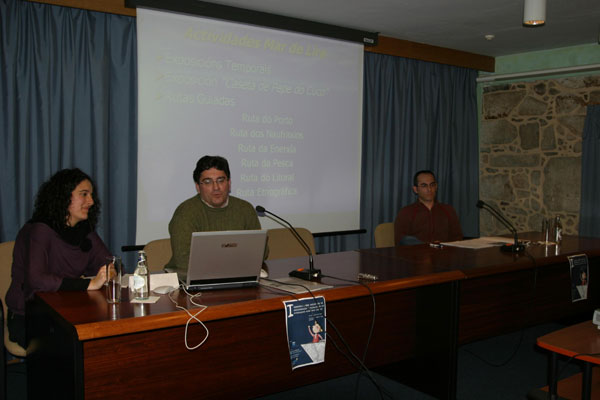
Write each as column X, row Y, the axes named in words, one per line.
column 428, row 302
column 504, row 292
column 90, row 349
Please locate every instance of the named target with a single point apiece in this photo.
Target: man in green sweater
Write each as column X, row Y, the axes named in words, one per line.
column 212, row 209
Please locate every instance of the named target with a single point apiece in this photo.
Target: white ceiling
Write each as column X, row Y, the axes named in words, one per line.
column 455, row 24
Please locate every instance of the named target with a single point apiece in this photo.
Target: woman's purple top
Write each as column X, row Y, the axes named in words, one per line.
column 41, row 259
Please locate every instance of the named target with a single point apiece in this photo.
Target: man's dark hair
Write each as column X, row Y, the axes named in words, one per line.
column 54, row 198
column 423, row 171
column 208, row 162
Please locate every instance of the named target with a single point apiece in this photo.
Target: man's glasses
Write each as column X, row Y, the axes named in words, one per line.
column 432, row 185
column 209, row 181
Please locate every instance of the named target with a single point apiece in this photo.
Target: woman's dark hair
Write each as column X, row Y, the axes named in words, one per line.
column 208, row 162
column 54, row 197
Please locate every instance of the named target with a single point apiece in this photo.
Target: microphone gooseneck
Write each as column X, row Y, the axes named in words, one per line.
column 513, row 248
column 312, row 273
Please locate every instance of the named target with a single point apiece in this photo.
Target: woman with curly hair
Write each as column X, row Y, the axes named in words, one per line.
column 56, row 246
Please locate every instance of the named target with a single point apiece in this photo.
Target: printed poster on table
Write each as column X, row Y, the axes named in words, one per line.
column 580, row 277
column 306, row 330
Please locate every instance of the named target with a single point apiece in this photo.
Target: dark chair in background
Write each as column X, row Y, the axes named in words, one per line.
column 2, row 357
column 384, row 235
column 6, row 255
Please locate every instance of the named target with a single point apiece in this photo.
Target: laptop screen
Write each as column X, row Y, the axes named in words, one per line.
column 225, row 259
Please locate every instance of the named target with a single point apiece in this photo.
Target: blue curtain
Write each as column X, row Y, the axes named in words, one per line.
column 589, row 216
column 68, row 98
column 417, row 115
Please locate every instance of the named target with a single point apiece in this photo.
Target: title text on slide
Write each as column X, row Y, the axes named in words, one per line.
column 231, row 39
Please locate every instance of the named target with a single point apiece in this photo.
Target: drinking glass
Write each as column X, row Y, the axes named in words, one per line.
column 113, row 279
column 546, row 229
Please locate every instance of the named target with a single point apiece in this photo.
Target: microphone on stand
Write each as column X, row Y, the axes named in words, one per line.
column 510, row 248
column 301, row 273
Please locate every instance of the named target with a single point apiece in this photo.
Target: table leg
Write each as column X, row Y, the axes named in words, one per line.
column 586, row 382
column 552, row 375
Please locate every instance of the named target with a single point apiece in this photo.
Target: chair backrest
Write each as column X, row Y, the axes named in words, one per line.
column 384, row 235
column 2, row 356
column 283, row 244
column 158, row 254
column 6, row 258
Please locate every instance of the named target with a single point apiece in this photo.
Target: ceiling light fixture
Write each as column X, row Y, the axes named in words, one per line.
column 534, row 12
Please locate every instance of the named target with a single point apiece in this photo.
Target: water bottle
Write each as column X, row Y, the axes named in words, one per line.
column 141, row 284
column 557, row 230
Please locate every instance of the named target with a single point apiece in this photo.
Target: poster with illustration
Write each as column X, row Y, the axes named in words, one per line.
column 306, row 330
column 580, row 277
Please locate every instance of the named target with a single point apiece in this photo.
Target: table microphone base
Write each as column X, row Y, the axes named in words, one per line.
column 512, row 248
column 306, row 274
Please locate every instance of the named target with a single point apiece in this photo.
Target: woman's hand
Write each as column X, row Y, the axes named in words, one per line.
column 97, row 281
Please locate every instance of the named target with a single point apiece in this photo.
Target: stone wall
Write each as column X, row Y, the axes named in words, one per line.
column 530, row 151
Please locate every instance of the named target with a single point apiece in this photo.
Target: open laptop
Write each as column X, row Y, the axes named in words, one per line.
column 224, row 259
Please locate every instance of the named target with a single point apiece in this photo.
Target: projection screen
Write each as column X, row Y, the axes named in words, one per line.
column 284, row 108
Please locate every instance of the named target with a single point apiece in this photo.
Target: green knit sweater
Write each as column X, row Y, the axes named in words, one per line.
column 193, row 215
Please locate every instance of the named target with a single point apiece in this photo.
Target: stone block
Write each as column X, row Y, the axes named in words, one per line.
column 566, row 104
column 562, row 184
column 497, row 131
column 522, row 194
column 530, row 136
column 591, row 81
column 495, row 88
column 573, row 123
column 594, row 97
column 571, row 83
column 496, row 187
column 536, row 178
column 513, row 161
column 540, row 88
column 516, row 212
column 535, row 222
column 548, row 138
column 532, row 106
column 520, row 181
column 500, row 104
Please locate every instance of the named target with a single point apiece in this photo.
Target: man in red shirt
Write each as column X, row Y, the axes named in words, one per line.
column 426, row 220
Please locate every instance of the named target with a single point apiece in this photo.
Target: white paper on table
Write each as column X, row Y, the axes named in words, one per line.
column 150, row 299
column 480, row 243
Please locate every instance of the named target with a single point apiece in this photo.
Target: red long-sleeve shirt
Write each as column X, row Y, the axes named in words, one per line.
column 440, row 224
